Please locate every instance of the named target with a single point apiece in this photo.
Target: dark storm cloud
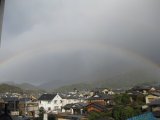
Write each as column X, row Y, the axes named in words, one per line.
column 77, row 40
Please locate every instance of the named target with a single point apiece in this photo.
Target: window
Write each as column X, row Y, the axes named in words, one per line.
column 56, row 107
column 55, row 101
column 61, row 101
column 49, row 108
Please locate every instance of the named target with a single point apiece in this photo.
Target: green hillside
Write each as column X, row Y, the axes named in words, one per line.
column 9, row 88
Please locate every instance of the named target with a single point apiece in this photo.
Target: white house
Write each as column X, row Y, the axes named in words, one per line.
column 72, row 99
column 50, row 102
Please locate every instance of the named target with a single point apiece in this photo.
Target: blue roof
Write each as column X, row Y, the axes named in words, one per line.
column 146, row 116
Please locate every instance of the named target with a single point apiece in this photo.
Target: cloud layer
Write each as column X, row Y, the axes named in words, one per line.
column 78, row 40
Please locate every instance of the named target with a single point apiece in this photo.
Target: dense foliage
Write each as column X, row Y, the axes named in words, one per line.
column 103, row 115
column 124, row 108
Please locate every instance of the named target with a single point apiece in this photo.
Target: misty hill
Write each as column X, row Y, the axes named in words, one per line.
column 24, row 86
column 27, row 86
column 125, row 80
column 14, row 89
column 79, row 86
column 9, row 88
column 48, row 86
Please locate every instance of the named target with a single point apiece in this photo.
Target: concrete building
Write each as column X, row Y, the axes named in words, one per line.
column 1, row 15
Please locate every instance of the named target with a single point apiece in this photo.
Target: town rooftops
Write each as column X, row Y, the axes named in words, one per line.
column 24, row 99
column 9, row 99
column 101, row 97
column 156, row 93
column 141, row 88
column 47, row 97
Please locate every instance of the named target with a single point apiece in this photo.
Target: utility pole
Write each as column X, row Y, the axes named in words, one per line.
column 1, row 15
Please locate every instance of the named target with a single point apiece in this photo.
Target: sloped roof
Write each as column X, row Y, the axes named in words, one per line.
column 79, row 105
column 97, row 106
column 7, row 99
column 24, row 99
column 142, row 87
column 47, row 97
column 75, row 105
column 155, row 102
column 155, row 93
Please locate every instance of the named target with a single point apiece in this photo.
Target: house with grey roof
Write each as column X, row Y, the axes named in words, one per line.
column 50, row 102
column 101, row 98
column 69, row 99
column 74, row 108
column 12, row 103
column 155, row 107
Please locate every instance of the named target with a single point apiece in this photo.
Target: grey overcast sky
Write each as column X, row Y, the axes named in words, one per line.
column 75, row 40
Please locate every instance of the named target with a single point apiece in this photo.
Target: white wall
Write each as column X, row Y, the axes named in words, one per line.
column 70, row 101
column 57, row 103
column 54, row 104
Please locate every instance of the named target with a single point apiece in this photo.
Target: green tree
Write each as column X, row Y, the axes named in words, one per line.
column 117, row 112
column 94, row 116
column 102, row 115
column 140, row 99
column 124, row 112
column 41, row 113
column 122, row 99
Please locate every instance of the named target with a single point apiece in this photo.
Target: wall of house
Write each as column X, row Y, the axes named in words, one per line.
column 70, row 101
column 150, row 98
column 53, row 105
column 57, row 103
column 45, row 104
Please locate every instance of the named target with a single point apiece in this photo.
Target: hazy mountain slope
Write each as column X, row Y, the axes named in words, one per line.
column 24, row 86
column 125, row 80
column 9, row 88
column 27, row 86
column 79, row 86
column 54, row 84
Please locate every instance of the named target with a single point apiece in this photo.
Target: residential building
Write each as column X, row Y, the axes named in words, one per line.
column 28, row 107
column 102, row 99
column 152, row 96
column 12, row 103
column 74, row 108
column 155, row 107
column 72, row 99
column 51, row 102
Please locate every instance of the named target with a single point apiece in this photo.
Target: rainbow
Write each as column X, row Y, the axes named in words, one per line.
column 55, row 48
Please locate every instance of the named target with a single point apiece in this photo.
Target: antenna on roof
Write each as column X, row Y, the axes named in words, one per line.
column 1, row 16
